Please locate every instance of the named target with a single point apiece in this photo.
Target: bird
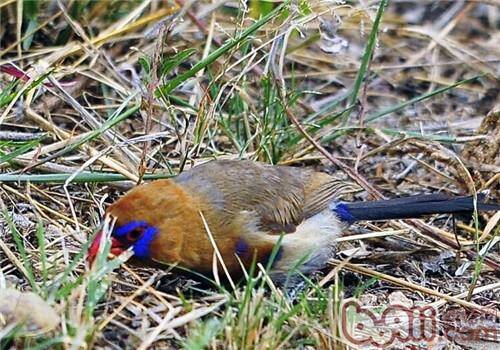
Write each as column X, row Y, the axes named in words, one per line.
column 287, row 217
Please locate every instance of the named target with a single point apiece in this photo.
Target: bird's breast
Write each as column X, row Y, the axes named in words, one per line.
column 199, row 229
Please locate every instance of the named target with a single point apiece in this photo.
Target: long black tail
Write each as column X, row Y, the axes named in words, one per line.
column 411, row 207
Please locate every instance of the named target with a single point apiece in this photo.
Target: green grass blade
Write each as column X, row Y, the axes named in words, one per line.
column 40, row 235
column 367, row 56
column 400, row 106
column 22, row 251
column 7, row 93
column 418, row 135
column 174, row 61
column 22, row 149
column 48, row 343
column 85, row 176
column 169, row 87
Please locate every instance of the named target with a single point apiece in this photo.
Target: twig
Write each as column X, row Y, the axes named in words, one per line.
column 20, row 136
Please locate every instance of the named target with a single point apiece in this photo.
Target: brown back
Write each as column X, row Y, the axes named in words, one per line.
column 281, row 196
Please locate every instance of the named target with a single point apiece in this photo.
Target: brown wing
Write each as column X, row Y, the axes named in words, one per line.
column 322, row 189
column 282, row 196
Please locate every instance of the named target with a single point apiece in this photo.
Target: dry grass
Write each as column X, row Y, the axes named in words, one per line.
column 118, row 92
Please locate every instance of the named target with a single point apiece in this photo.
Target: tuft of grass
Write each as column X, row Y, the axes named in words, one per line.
column 58, row 286
column 211, row 58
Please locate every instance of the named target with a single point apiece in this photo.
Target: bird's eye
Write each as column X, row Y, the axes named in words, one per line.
column 135, row 234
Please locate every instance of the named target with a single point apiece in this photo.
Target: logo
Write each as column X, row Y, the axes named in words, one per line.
column 387, row 326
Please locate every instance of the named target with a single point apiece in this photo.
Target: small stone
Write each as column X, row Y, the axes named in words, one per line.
column 27, row 309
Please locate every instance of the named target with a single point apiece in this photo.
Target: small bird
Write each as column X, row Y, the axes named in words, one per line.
column 244, row 208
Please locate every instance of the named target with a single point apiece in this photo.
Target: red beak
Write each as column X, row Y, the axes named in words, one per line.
column 116, row 248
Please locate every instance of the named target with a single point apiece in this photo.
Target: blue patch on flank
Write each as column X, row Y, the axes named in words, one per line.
column 342, row 211
column 241, row 247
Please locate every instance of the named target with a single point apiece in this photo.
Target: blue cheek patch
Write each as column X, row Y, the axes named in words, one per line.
column 342, row 212
column 141, row 247
column 122, row 231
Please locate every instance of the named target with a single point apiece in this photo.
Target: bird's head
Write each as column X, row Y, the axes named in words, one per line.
column 139, row 217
